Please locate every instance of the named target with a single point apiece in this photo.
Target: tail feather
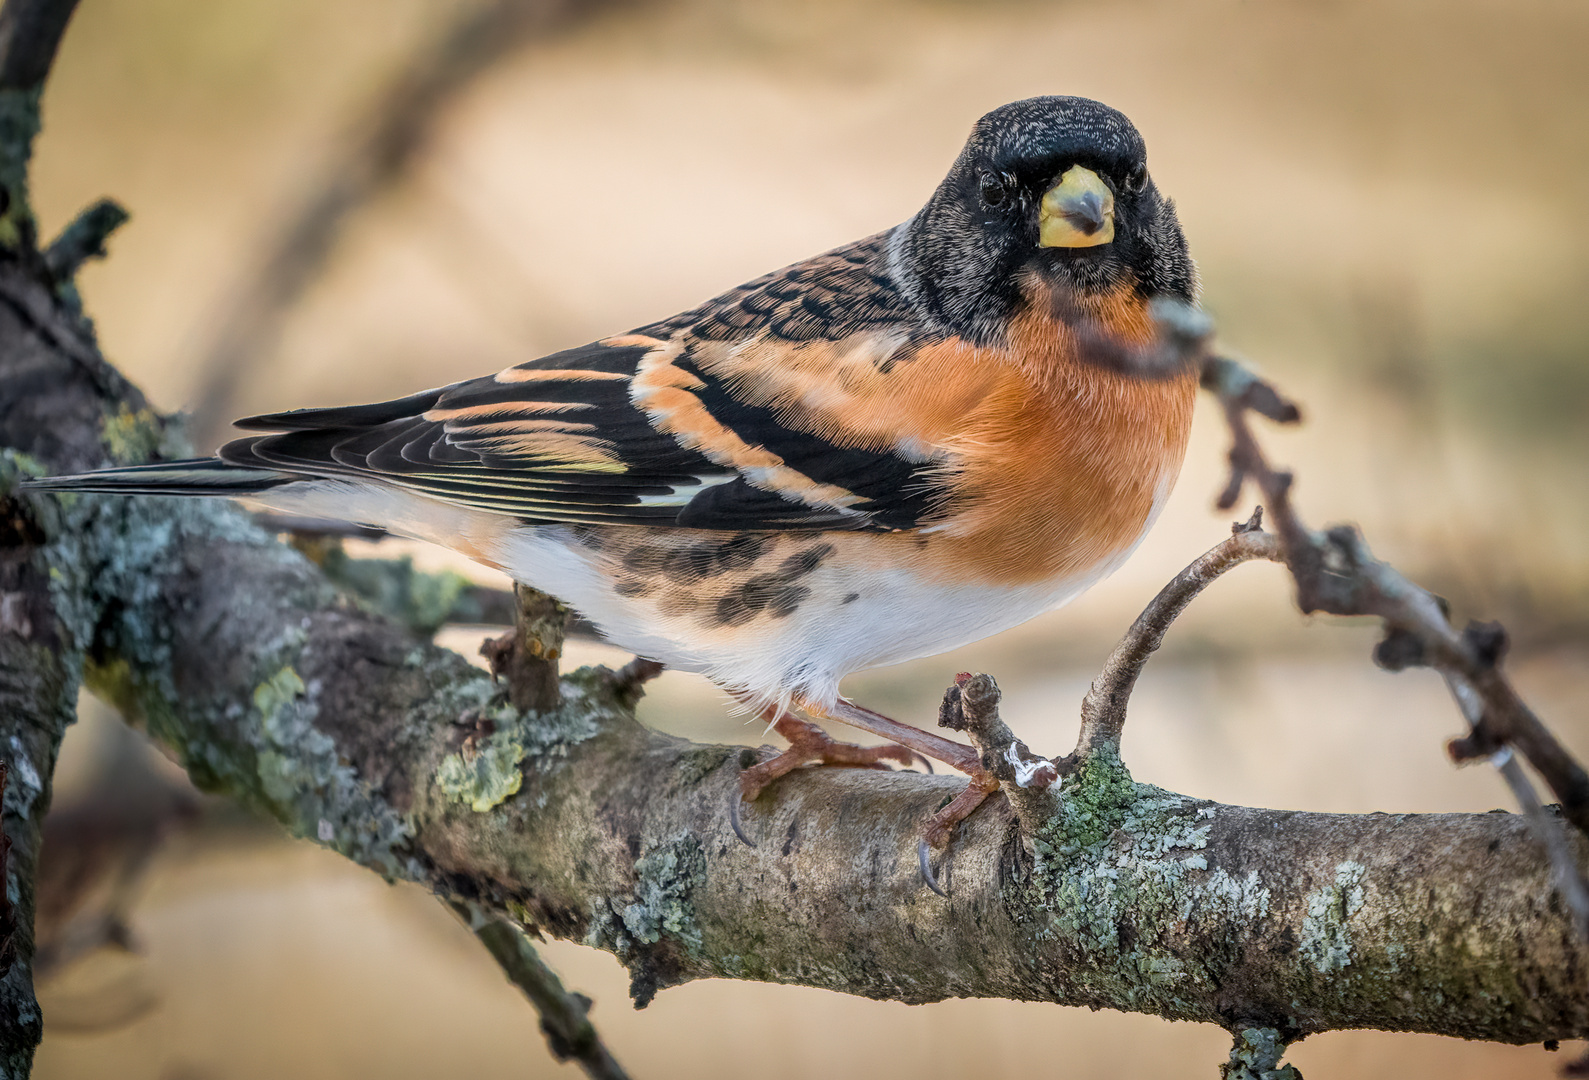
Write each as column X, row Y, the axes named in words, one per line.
column 200, row 476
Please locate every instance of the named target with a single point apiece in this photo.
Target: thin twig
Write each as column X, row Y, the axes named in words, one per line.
column 1103, row 710
column 565, row 1016
column 83, row 238
column 1545, row 827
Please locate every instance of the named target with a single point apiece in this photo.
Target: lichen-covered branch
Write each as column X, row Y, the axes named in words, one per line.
column 53, row 371
column 583, row 824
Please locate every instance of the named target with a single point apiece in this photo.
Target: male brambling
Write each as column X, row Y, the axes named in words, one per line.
column 880, row 453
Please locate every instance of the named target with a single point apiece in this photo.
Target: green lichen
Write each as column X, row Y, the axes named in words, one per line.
column 1256, row 1056
column 312, row 791
column 485, row 777
column 650, row 929
column 132, row 437
column 665, row 878
column 1118, row 876
column 490, row 774
column 1326, row 940
column 19, row 125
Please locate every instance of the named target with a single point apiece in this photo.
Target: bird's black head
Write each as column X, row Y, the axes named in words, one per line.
column 1052, row 191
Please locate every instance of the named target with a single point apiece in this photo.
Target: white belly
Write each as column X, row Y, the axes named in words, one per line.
column 852, row 616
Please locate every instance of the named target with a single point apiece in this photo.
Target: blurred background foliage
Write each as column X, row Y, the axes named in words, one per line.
column 1388, row 204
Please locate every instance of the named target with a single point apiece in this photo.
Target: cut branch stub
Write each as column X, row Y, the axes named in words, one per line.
column 527, row 657
column 971, row 705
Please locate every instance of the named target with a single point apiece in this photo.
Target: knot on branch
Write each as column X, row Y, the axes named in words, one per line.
column 1256, row 1056
column 628, row 682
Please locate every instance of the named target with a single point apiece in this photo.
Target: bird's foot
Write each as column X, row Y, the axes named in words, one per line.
column 941, row 826
column 809, row 743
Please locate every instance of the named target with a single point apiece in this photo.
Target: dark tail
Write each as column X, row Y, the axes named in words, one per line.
column 200, row 476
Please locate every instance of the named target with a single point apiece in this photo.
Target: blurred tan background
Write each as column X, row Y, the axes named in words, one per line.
column 1388, row 204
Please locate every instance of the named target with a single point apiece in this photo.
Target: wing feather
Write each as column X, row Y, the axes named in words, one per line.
column 582, row 436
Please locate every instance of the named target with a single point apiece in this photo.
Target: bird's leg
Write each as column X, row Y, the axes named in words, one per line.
column 983, row 783
column 925, row 743
column 808, row 743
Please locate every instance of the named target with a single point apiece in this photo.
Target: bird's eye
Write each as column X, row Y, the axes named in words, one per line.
column 994, row 193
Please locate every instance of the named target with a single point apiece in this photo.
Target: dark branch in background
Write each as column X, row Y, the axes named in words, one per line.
column 30, row 33
column 565, row 1016
column 385, row 143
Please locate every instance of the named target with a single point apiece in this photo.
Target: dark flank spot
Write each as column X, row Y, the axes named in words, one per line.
column 695, row 562
column 787, row 601
column 741, row 552
column 758, row 592
column 805, row 561
column 731, row 611
column 851, row 598
column 632, row 587
column 646, row 559
column 777, row 593
column 690, row 563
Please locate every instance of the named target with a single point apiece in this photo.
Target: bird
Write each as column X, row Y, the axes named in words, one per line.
column 880, row 453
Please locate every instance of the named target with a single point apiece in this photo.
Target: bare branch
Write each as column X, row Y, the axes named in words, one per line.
column 1103, row 710
column 30, row 33
column 527, row 657
column 386, row 141
column 1336, row 573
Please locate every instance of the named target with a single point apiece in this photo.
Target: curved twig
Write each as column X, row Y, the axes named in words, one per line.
column 1103, row 710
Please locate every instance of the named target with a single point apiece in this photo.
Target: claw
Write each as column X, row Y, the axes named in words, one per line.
column 925, row 760
column 734, row 799
column 922, row 853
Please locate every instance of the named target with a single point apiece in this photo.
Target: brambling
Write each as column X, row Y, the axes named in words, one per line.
column 877, row 454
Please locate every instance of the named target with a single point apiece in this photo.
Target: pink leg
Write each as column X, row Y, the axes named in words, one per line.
column 808, row 743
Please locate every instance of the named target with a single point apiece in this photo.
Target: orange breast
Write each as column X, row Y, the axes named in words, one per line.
column 1057, row 466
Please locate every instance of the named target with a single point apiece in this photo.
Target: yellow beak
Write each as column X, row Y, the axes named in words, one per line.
column 1079, row 211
